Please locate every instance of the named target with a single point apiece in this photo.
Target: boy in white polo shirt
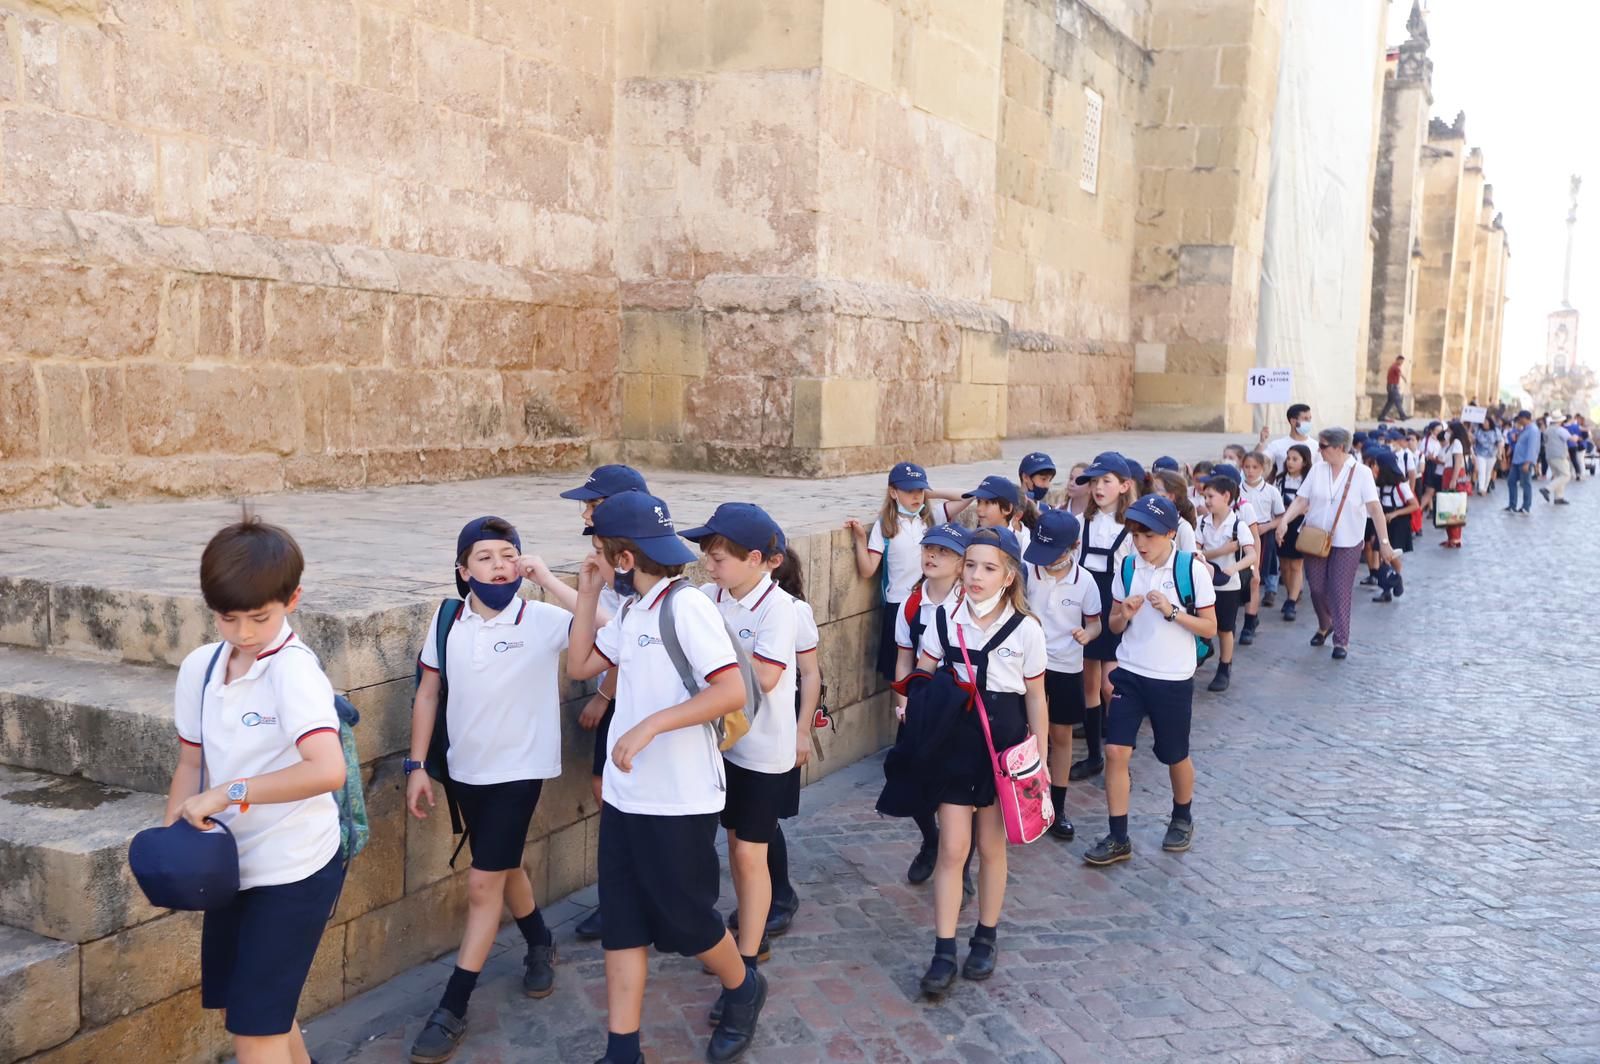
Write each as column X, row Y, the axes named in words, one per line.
column 1067, row 603
column 503, row 723
column 735, row 545
column 255, row 719
column 663, row 786
column 1155, row 671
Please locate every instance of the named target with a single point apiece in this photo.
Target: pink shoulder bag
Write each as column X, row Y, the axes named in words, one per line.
column 1021, row 781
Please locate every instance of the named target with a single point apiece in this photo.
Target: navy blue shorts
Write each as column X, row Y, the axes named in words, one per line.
column 1064, row 693
column 1168, row 703
column 255, row 954
column 659, row 881
column 497, row 816
column 755, row 801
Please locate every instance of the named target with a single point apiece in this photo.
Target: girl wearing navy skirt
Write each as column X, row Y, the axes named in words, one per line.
column 1100, row 550
column 1006, row 646
column 1296, row 465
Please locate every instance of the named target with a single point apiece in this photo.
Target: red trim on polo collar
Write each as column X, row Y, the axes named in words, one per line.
column 289, row 634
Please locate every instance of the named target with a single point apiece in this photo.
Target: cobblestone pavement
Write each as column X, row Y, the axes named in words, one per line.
column 1395, row 858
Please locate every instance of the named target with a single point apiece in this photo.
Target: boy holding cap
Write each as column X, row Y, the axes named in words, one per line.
column 1067, row 603
column 604, row 482
column 735, row 545
column 1155, row 672
column 663, row 785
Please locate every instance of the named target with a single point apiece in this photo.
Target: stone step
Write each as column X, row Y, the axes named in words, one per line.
column 106, row 721
column 64, row 854
column 38, row 993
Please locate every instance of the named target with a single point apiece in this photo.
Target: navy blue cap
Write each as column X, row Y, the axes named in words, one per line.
column 1135, row 470
column 606, row 481
column 1166, row 461
column 908, row 476
column 1003, row 538
column 1224, row 469
column 949, row 536
column 472, row 533
column 1057, row 533
column 996, row 487
column 182, row 867
column 645, row 519
column 1036, row 462
column 743, row 523
column 1154, row 512
column 1109, row 462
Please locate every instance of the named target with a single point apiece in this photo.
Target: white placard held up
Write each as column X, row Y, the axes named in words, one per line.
column 1269, row 385
column 1473, row 415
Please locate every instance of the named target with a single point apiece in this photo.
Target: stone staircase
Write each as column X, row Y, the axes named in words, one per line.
column 89, row 971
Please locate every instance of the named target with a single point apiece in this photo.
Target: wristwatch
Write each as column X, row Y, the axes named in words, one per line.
column 1173, row 616
column 409, row 766
column 237, row 792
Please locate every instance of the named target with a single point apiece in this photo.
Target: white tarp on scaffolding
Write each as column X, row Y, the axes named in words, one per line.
column 1314, row 264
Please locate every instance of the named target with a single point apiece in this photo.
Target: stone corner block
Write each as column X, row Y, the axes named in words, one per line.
column 832, row 413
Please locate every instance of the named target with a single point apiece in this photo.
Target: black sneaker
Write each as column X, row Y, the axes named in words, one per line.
column 1387, row 596
column 981, row 957
column 1108, row 851
column 922, row 865
column 588, row 928
column 439, row 1038
column 538, row 971
column 1086, row 769
column 737, row 1027
column 1180, row 834
column 1248, row 635
column 779, row 920
column 941, row 975
column 1063, row 829
column 1289, row 610
column 1370, row 580
column 1269, row 599
column 1220, row 681
column 1562, row 502
column 1546, row 493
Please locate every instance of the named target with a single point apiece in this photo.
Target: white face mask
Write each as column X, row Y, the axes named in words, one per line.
column 1305, row 428
column 983, row 607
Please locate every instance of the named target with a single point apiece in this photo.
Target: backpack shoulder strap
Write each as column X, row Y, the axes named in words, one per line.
column 670, row 641
column 941, row 625
column 1183, row 577
column 1004, row 631
column 913, row 604
column 1127, row 580
column 1122, row 534
column 205, row 683
column 449, row 612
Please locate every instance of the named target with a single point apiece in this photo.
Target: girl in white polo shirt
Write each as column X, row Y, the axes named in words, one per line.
column 1067, row 603
column 892, row 549
column 503, row 721
column 1225, row 539
column 1101, row 548
column 1007, row 649
column 1154, row 677
column 255, row 720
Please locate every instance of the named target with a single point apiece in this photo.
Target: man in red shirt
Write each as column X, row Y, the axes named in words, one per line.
column 1396, row 377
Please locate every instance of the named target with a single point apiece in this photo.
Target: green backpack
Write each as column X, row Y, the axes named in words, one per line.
column 1183, row 576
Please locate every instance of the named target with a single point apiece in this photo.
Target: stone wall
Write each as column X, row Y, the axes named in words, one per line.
column 258, row 245
column 132, row 994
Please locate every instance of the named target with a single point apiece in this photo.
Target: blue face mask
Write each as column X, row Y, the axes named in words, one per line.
column 907, row 513
column 494, row 596
column 622, row 583
column 1038, row 494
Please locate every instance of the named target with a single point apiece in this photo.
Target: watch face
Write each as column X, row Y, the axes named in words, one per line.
column 236, row 792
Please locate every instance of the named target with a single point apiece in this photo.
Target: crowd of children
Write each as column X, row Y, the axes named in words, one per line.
column 1054, row 611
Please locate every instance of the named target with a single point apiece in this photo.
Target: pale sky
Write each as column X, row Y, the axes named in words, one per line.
column 1528, row 78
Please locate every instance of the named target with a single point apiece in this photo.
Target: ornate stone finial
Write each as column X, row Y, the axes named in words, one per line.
column 1417, row 25
column 1459, row 127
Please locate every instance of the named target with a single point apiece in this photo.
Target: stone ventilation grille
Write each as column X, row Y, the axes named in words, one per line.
column 1093, row 105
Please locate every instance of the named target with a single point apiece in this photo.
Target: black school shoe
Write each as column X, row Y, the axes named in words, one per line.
column 1248, row 634
column 1180, row 834
column 1108, row 851
column 439, row 1038
column 778, row 921
column 1370, row 580
column 737, row 1027
column 1289, row 610
column 613, row 1060
column 1340, row 653
column 1063, row 829
column 981, row 957
column 588, row 928
column 922, row 865
column 538, row 971
column 1086, row 769
column 941, row 975
column 1387, row 596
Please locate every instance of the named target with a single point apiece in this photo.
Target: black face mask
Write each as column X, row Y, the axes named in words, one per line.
column 622, row 583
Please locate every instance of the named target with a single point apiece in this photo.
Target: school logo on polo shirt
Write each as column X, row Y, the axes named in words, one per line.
column 255, row 720
column 503, row 646
column 1168, row 585
column 745, row 633
column 646, row 640
column 1007, row 652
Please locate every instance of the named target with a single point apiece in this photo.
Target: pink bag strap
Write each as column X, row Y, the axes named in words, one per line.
column 983, row 712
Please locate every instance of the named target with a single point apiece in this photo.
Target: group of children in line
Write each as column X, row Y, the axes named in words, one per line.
column 1092, row 614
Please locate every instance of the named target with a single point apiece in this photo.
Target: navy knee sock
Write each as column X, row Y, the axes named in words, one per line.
column 458, row 991
column 533, row 929
column 622, row 1047
column 783, row 893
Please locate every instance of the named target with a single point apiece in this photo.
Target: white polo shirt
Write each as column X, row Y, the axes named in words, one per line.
column 1212, row 535
column 1152, row 645
column 806, row 636
column 1185, row 538
column 1264, row 499
column 926, row 610
column 1063, row 604
column 680, row 772
column 1100, row 532
column 1321, row 491
column 902, row 555
column 767, row 625
column 251, row 727
column 1408, row 461
column 1278, row 449
column 504, row 703
column 1020, row 658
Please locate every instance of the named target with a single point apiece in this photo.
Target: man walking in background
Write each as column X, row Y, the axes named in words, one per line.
column 1396, row 378
column 1556, row 439
column 1523, row 456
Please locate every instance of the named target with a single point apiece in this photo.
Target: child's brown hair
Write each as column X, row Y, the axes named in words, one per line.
column 248, row 565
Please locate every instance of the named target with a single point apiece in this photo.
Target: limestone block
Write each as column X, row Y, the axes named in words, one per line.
column 230, row 409
column 428, row 846
column 724, row 407
column 310, row 325
column 420, row 926
column 59, row 311
column 662, row 39
column 663, row 342
column 176, row 84
column 1026, row 130
column 1199, row 264
column 385, row 708
column 1025, row 78
column 24, row 606
column 38, row 993
column 974, row 411
column 949, row 80
column 389, row 134
column 176, row 1029
column 305, row 198
column 459, row 72
column 786, row 344
column 526, row 165
column 983, row 357
column 835, row 412
column 569, row 861
column 849, row 595
column 858, row 41
column 325, row 982
column 377, row 876
column 115, row 169
column 386, row 50
column 21, row 421
column 861, row 729
column 140, row 966
column 757, row 35
column 848, row 657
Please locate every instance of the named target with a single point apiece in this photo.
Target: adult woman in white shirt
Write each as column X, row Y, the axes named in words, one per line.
column 1339, row 494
